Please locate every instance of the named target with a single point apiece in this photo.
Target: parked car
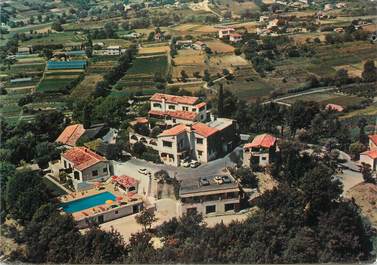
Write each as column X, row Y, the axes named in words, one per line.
column 186, row 163
column 194, row 164
column 203, row 181
column 218, row 179
column 143, row 171
column 226, row 179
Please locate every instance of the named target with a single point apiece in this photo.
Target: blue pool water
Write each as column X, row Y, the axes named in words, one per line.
column 88, row 202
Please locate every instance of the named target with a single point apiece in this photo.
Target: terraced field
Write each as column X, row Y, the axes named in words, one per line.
column 140, row 77
column 58, row 80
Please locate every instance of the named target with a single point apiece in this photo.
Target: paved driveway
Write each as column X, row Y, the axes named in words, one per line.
column 215, row 167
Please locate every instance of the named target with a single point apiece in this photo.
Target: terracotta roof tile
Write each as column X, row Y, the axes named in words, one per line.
column 176, row 130
column 262, row 140
column 373, row 138
column 203, row 130
column 174, row 99
column 179, row 114
column 371, row 153
column 200, row 105
column 334, row 107
column 71, row 134
column 82, row 157
column 125, row 181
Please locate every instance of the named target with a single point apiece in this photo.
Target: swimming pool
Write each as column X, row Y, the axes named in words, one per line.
column 88, row 202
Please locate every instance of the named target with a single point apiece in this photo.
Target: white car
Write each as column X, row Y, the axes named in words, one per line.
column 186, row 163
column 194, row 164
column 218, row 179
column 143, row 171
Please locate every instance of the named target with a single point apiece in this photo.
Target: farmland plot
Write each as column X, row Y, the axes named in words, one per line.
column 140, row 77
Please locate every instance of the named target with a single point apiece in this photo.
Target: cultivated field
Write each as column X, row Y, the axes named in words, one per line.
column 217, row 46
column 190, row 61
column 153, row 50
column 140, row 77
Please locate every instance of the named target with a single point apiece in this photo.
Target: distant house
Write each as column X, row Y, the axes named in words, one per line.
column 132, row 35
column 341, row 5
column 373, row 142
column 112, row 50
column 334, row 107
column 225, row 32
column 260, row 151
column 328, row 7
column 275, row 23
column 235, row 37
column 263, row 18
column 369, row 157
column 23, row 51
column 199, row 45
column 184, row 43
column 339, row 30
column 72, row 133
column 84, row 165
column 159, row 36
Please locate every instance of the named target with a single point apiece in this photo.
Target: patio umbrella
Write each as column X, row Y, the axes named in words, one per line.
column 114, row 178
column 119, row 198
column 109, row 202
column 98, row 184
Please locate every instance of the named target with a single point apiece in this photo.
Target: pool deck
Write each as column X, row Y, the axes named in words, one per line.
column 102, row 208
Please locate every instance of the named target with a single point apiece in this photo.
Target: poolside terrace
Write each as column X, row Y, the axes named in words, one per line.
column 126, row 203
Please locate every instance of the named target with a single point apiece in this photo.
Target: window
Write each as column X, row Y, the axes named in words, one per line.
column 105, row 170
column 210, row 209
column 229, row 207
column 191, row 210
column 157, row 105
column 264, row 158
column 131, row 188
column 116, row 212
column 95, row 173
column 167, row 144
column 171, row 107
column 76, row 175
column 174, row 120
column 185, row 108
column 65, row 164
column 193, row 109
column 199, row 140
column 200, row 153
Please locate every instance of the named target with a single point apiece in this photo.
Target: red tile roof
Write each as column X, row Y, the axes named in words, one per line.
column 235, row 35
column 262, row 140
column 203, row 130
column 71, row 134
column 371, row 153
column 176, row 130
column 200, row 105
column 125, row 181
column 334, row 107
column 174, row 99
column 178, row 114
column 373, row 138
column 141, row 120
column 82, row 157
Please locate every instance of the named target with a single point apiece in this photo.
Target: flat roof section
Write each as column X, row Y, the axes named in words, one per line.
column 192, row 186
